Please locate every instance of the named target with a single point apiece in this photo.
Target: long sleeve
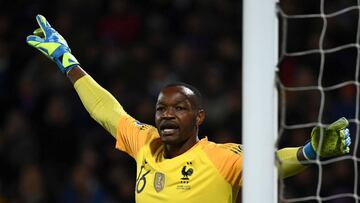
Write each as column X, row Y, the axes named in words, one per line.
column 288, row 163
column 100, row 104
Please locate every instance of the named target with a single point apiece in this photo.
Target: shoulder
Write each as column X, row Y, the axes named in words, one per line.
column 227, row 159
column 223, row 149
column 224, row 153
column 232, row 148
column 132, row 135
column 129, row 125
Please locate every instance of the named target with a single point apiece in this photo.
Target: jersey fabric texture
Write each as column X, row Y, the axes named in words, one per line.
column 208, row 172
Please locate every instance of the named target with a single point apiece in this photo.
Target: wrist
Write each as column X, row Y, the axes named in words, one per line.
column 309, row 152
column 75, row 74
column 66, row 62
column 300, row 154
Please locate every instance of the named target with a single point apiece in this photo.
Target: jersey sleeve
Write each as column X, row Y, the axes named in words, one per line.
column 132, row 135
column 288, row 163
column 228, row 159
column 100, row 104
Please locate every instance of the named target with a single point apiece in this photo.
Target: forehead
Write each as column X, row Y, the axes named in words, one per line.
column 176, row 94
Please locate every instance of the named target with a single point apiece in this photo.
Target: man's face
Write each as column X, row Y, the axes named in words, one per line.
column 177, row 119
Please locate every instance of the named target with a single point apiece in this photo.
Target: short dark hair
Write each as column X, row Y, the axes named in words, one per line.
column 198, row 99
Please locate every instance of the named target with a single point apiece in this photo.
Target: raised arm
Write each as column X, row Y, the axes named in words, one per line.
column 335, row 142
column 100, row 104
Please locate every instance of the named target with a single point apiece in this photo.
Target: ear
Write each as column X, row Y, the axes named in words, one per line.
column 200, row 117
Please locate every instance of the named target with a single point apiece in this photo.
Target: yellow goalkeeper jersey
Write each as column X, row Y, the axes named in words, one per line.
column 208, row 172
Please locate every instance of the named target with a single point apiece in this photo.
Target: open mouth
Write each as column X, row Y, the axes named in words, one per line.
column 169, row 128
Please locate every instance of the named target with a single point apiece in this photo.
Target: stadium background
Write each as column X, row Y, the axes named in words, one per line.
column 316, row 34
column 52, row 151
column 50, row 148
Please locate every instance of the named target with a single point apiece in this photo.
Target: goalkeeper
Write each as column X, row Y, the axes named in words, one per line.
column 173, row 164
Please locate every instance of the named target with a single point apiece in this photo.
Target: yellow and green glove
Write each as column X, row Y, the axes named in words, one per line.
column 48, row 41
column 336, row 141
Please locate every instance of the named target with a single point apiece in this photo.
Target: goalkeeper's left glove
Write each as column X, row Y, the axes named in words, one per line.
column 48, row 41
column 336, row 140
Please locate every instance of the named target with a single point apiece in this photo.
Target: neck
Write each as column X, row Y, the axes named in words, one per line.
column 174, row 150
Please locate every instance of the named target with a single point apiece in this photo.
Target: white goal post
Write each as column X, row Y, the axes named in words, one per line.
column 259, row 101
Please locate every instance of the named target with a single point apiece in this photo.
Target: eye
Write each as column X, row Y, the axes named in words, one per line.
column 160, row 108
column 180, row 108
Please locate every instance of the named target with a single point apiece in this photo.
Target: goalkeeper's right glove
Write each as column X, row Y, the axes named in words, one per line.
column 336, row 141
column 48, row 41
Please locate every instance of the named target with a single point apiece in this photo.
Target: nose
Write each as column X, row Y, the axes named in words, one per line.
column 168, row 113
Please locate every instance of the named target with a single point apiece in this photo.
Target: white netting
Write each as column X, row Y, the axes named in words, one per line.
column 319, row 83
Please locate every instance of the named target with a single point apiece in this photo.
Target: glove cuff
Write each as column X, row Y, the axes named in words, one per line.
column 309, row 152
column 66, row 62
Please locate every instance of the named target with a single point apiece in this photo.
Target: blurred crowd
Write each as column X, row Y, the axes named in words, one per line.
column 50, row 149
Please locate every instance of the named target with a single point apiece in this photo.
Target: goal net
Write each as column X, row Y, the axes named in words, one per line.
column 318, row 82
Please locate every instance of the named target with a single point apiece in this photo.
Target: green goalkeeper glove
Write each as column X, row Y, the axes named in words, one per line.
column 48, row 41
column 336, row 141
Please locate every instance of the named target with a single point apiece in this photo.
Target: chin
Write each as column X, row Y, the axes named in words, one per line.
column 170, row 140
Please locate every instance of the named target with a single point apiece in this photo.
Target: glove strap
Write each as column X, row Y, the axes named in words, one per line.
column 309, row 152
column 66, row 62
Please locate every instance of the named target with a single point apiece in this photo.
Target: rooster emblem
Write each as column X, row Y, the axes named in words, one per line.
column 186, row 173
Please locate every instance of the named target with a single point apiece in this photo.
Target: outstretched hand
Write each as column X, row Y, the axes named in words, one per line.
column 48, row 41
column 336, row 140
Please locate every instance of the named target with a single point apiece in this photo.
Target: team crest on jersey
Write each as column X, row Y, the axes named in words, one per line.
column 186, row 172
column 159, row 181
